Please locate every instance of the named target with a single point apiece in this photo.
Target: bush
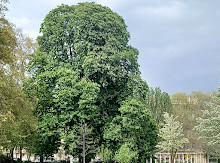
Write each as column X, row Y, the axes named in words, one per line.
column 125, row 154
column 4, row 158
column 107, row 155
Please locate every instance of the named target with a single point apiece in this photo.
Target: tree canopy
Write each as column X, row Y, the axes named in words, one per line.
column 84, row 72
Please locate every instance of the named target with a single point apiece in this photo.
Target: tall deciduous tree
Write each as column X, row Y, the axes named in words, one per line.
column 84, row 71
column 172, row 136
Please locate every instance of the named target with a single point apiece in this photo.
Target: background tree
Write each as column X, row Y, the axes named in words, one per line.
column 172, row 136
column 188, row 108
column 17, row 121
column 209, row 126
column 159, row 103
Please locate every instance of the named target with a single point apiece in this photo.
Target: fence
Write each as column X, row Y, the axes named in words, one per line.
column 181, row 157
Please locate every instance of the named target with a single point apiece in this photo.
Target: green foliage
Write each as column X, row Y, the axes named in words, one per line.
column 107, row 154
column 44, row 145
column 125, row 154
column 134, row 126
column 77, row 28
column 85, row 72
column 72, row 102
column 7, row 42
column 16, row 119
column 4, row 159
column 19, row 123
column 159, row 103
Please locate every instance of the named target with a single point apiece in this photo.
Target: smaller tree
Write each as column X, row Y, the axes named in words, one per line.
column 171, row 135
column 85, row 142
column 107, row 154
column 209, row 125
column 125, row 154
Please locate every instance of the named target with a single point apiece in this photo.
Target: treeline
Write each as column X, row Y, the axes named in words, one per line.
column 199, row 115
column 79, row 88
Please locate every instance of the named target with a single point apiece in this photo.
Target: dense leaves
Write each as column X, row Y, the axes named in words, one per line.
column 134, row 127
column 85, row 72
column 159, row 103
column 125, row 155
column 7, row 41
column 17, row 122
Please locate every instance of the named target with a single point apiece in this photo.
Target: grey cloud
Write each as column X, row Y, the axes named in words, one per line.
column 178, row 40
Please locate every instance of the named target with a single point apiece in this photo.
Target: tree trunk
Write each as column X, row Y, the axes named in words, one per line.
column 41, row 159
column 12, row 154
column 20, row 154
column 173, row 155
column 84, row 149
column 207, row 159
column 80, row 158
column 28, row 156
column 139, row 158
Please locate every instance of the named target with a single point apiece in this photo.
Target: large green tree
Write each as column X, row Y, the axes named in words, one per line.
column 83, row 72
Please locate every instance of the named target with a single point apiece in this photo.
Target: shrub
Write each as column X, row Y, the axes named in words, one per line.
column 125, row 154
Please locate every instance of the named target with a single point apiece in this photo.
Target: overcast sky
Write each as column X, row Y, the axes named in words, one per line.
column 178, row 40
